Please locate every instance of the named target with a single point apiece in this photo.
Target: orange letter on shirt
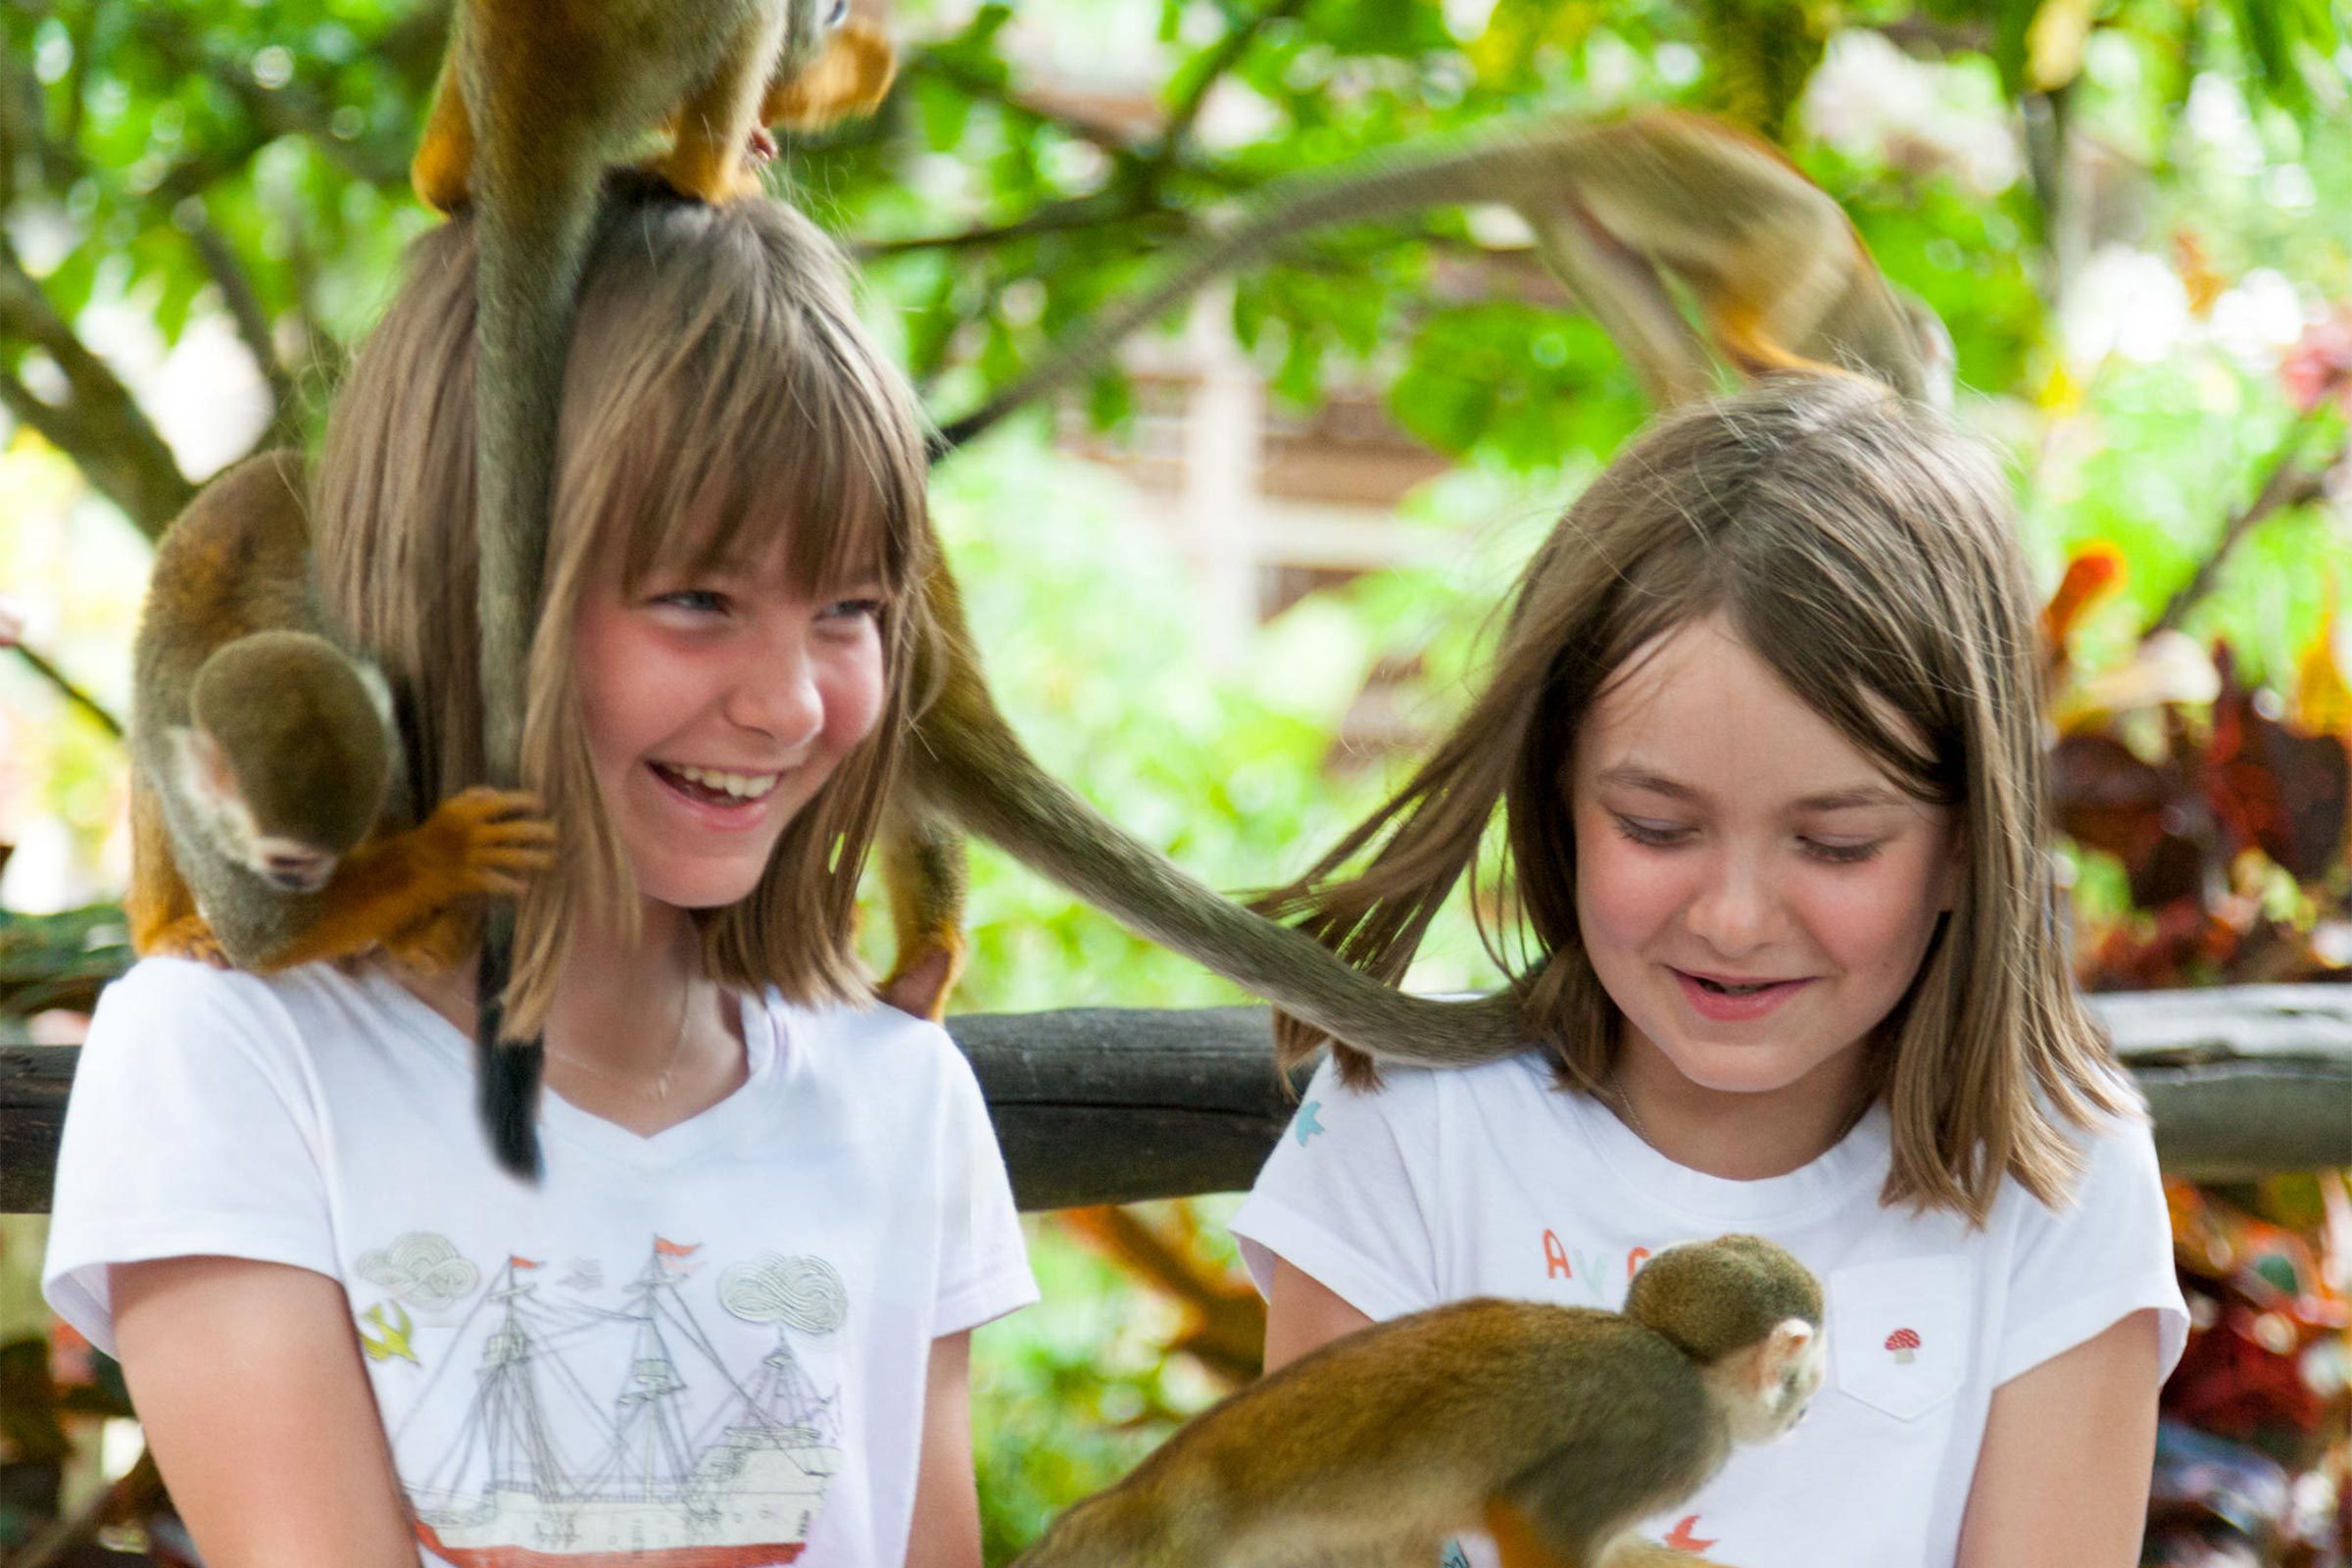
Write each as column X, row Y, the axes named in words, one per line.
column 1555, row 1258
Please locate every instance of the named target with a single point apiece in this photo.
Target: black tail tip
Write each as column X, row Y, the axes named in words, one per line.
column 510, row 1077
column 507, row 1072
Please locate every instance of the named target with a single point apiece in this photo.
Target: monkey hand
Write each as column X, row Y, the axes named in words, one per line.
column 485, row 840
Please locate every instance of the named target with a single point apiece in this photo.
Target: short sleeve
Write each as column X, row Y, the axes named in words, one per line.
column 984, row 1263
column 2080, row 1269
column 191, row 1130
column 1340, row 1198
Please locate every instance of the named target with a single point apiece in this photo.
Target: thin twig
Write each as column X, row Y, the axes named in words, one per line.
column 1228, row 54
column 245, row 309
column 2287, row 484
column 74, row 694
column 1059, row 218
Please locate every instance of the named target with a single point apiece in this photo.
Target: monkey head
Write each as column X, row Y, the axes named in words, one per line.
column 287, row 755
column 1750, row 1316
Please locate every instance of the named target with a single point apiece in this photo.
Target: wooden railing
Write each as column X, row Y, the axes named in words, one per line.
column 1112, row 1106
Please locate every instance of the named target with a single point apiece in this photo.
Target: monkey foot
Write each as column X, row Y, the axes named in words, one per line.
column 188, row 938
column 434, row 945
column 923, row 979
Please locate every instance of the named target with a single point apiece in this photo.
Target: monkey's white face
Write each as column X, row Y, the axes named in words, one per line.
column 1789, row 1369
column 715, row 707
column 1754, row 893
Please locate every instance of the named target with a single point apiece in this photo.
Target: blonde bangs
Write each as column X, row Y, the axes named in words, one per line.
column 720, row 393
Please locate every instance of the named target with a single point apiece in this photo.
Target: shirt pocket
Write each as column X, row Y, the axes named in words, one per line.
column 1900, row 1333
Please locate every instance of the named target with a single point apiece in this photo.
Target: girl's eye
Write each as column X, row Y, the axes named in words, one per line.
column 854, row 609
column 1658, row 835
column 1843, row 853
column 701, row 600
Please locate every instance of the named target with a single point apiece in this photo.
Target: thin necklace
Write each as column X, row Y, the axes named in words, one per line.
column 658, row 1091
column 1625, row 1104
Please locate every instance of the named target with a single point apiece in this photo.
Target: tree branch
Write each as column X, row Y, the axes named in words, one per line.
column 252, row 320
column 2287, row 484
column 1077, row 214
column 979, row 84
column 1215, row 67
column 74, row 694
column 99, row 425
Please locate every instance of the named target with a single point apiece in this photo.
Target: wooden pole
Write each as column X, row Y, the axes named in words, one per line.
column 1106, row 1105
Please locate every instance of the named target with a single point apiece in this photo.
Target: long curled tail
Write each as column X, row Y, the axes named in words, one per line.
column 534, row 229
column 968, row 764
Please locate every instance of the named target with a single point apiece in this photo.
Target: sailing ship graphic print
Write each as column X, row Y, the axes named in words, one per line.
column 599, row 1432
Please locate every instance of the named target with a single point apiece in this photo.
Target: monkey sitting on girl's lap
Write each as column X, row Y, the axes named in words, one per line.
column 731, row 1324
column 1764, row 726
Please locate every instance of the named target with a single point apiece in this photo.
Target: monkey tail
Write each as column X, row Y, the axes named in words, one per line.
column 973, row 767
column 533, row 228
column 1488, row 169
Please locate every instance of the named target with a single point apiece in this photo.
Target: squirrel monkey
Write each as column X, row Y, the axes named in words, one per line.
column 537, row 97
column 263, row 805
column 1554, row 1429
column 1618, row 206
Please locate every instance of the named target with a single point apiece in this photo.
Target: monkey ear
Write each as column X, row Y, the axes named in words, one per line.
column 848, row 79
column 1782, row 1348
column 203, row 769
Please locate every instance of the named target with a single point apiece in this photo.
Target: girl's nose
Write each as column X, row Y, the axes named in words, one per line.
column 774, row 690
column 1736, row 912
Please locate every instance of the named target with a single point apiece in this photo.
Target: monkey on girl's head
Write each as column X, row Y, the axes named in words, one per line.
column 719, row 396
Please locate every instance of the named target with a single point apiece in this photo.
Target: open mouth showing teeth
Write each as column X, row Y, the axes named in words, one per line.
column 716, row 788
column 1722, row 990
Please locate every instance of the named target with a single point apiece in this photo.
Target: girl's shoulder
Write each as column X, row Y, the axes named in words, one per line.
column 278, row 1020
column 184, row 996
column 1516, row 1096
column 872, row 1043
column 1530, row 1076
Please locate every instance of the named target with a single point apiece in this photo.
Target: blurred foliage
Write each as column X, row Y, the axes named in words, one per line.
column 2126, row 212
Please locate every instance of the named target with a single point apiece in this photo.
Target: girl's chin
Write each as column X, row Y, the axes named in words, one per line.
column 1757, row 1069
column 697, row 893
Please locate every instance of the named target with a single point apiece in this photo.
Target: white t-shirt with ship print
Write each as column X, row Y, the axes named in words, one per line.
column 1490, row 1181
column 705, row 1347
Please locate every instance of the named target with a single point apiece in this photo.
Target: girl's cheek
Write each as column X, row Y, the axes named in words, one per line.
column 1623, row 893
column 853, row 694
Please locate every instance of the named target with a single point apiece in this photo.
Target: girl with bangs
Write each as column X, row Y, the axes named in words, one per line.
column 731, row 1324
column 1765, row 734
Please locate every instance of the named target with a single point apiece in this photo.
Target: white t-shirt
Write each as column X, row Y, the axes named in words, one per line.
column 711, row 1342
column 1489, row 1181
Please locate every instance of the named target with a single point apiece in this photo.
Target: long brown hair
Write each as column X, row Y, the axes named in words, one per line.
column 720, row 387
column 1867, row 552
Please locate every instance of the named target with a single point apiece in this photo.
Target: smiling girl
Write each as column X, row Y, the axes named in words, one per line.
column 1765, row 732
column 730, row 1327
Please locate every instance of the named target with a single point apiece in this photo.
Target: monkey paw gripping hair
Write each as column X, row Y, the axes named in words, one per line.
column 538, row 96
column 1555, row 1429
column 267, row 828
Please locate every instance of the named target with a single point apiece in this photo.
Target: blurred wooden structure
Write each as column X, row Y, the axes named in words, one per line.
column 1111, row 1105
